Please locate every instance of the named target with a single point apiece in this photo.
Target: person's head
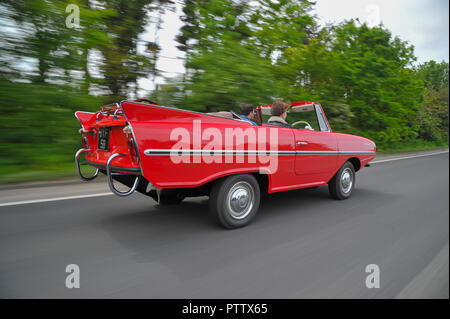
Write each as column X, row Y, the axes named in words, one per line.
column 248, row 110
column 279, row 108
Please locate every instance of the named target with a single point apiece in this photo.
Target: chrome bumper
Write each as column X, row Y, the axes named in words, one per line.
column 77, row 163
column 109, row 173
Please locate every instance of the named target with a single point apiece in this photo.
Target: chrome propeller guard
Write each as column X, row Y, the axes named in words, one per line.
column 77, row 162
column 110, row 179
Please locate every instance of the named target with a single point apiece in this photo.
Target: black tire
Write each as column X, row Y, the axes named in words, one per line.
column 339, row 186
column 239, row 212
column 168, row 197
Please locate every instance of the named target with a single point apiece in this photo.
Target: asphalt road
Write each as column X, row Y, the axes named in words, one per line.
column 302, row 244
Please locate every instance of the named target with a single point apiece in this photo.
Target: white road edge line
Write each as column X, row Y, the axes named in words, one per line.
column 406, row 157
column 33, row 201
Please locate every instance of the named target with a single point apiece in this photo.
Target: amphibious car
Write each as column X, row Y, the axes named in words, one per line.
column 169, row 154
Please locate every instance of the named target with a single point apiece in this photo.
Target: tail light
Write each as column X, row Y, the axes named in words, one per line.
column 131, row 143
column 132, row 148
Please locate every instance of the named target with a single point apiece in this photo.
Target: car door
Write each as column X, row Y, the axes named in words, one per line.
column 316, row 150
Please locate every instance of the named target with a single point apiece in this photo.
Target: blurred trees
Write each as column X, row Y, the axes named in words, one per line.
column 363, row 73
column 252, row 52
column 231, row 46
column 42, row 80
column 48, row 71
column 237, row 51
column 123, row 64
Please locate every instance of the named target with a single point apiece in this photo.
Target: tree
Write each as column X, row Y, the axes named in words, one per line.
column 227, row 76
column 230, row 46
column 435, row 75
column 358, row 71
column 123, row 64
column 433, row 116
column 282, row 24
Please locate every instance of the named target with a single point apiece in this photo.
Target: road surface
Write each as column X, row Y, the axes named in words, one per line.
column 302, row 244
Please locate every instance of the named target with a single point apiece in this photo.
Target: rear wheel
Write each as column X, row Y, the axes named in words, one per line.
column 234, row 200
column 342, row 184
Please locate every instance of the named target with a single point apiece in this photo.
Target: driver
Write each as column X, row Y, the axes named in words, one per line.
column 279, row 114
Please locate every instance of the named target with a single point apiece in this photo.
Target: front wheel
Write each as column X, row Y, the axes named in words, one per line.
column 234, row 200
column 342, row 184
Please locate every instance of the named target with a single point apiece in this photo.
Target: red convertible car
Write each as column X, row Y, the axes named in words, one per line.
column 169, row 154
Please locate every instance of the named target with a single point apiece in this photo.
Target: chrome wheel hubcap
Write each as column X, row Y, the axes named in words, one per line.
column 346, row 180
column 240, row 200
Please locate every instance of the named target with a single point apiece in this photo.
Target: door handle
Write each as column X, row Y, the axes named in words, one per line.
column 302, row 143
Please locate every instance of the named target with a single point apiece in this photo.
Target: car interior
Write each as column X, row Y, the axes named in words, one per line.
column 302, row 117
column 299, row 116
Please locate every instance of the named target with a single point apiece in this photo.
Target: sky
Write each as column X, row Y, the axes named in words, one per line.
column 423, row 23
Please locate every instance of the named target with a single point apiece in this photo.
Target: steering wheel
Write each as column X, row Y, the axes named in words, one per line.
column 308, row 126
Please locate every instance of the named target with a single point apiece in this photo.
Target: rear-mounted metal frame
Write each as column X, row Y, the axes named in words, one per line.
column 110, row 175
column 77, row 162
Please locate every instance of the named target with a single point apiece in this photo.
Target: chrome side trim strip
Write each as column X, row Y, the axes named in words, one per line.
column 176, row 152
column 165, row 152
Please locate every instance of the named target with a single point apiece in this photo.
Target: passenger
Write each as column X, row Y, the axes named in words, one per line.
column 279, row 114
column 248, row 113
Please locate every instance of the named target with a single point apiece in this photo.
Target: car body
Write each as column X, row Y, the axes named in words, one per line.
column 169, row 153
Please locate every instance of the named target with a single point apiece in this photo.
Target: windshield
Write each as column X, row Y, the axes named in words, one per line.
column 304, row 113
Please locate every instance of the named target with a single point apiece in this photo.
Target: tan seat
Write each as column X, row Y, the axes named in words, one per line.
column 222, row 114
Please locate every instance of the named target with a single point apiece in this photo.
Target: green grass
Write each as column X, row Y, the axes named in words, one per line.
column 418, row 145
column 66, row 170
column 17, row 174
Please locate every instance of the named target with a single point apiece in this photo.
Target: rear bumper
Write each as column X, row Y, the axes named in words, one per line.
column 131, row 170
column 110, row 172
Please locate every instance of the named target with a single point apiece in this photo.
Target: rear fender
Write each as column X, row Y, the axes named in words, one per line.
column 86, row 119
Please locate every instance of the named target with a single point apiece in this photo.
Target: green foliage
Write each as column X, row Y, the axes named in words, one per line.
column 229, row 75
column 434, row 75
column 364, row 77
column 237, row 51
column 432, row 117
column 45, row 77
column 123, row 64
column 229, row 46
